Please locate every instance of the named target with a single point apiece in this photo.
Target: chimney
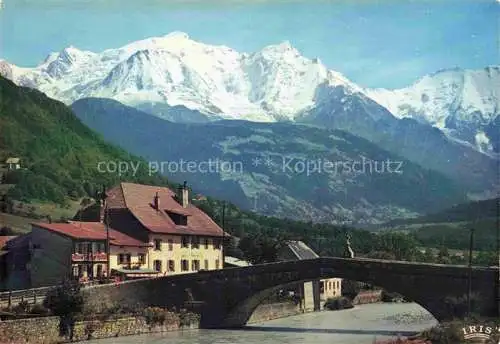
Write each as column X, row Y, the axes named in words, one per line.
column 156, row 201
column 185, row 195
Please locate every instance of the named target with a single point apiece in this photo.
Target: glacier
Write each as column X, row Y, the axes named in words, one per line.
column 274, row 84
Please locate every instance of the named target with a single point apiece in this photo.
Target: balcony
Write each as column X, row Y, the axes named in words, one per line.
column 89, row 257
column 100, row 257
column 78, row 257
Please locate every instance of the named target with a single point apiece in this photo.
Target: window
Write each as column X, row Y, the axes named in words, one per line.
column 90, row 271
column 206, row 243
column 124, row 258
column 217, row 263
column 157, row 265
column 157, row 244
column 171, row 265
column 195, row 242
column 178, row 219
column 75, row 271
column 185, row 241
column 184, row 265
column 79, row 248
column 97, row 247
column 217, row 244
column 101, row 247
column 80, row 270
column 170, row 245
column 141, row 257
column 195, row 265
column 206, row 264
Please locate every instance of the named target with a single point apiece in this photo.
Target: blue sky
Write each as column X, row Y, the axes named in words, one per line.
column 386, row 43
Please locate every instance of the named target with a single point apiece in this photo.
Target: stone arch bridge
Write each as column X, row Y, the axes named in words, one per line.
column 227, row 298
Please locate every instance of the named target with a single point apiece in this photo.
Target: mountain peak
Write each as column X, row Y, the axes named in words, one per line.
column 282, row 48
column 177, row 35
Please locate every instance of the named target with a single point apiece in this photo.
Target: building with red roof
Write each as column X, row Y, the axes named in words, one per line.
column 151, row 230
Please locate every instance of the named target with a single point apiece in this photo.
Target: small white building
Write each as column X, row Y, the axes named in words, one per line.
column 316, row 291
column 13, row 163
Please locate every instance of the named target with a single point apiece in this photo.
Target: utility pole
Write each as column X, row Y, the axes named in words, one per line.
column 106, row 224
column 469, row 284
column 223, row 231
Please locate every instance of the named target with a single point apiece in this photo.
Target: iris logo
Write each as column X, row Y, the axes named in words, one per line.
column 480, row 332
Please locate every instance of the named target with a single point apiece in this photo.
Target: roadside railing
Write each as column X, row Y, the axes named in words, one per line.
column 34, row 295
column 31, row 296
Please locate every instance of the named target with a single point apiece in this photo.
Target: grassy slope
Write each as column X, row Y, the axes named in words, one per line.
column 60, row 154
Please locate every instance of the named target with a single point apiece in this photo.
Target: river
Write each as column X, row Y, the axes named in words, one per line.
column 359, row 325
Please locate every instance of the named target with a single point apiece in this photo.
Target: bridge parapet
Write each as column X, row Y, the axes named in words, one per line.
column 229, row 296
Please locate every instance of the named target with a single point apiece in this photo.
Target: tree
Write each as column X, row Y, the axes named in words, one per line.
column 6, row 231
column 381, row 255
column 65, row 299
column 429, row 256
column 263, row 246
column 231, row 249
column 443, row 256
column 6, row 204
column 485, row 258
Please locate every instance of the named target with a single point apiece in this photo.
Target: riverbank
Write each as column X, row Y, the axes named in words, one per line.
column 45, row 330
column 360, row 325
column 404, row 341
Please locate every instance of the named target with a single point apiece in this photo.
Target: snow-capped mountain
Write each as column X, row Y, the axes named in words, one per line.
column 266, row 86
column 179, row 79
column 462, row 103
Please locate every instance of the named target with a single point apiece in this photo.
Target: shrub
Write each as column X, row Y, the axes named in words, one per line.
column 388, row 296
column 39, row 310
column 155, row 316
column 65, row 300
column 188, row 318
column 6, row 231
column 458, row 307
column 350, row 288
column 338, row 303
column 22, row 308
column 444, row 334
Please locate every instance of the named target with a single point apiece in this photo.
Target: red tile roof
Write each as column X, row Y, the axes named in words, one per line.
column 90, row 231
column 138, row 200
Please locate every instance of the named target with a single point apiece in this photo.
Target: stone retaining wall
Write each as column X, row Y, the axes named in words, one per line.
column 265, row 312
column 46, row 330
column 367, row 296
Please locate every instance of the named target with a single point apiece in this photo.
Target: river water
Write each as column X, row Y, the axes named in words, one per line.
column 359, row 325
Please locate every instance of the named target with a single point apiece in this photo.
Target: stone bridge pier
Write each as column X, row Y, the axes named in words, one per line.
column 227, row 298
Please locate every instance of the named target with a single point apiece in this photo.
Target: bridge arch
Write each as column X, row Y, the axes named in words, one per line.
column 425, row 284
column 243, row 311
column 227, row 298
